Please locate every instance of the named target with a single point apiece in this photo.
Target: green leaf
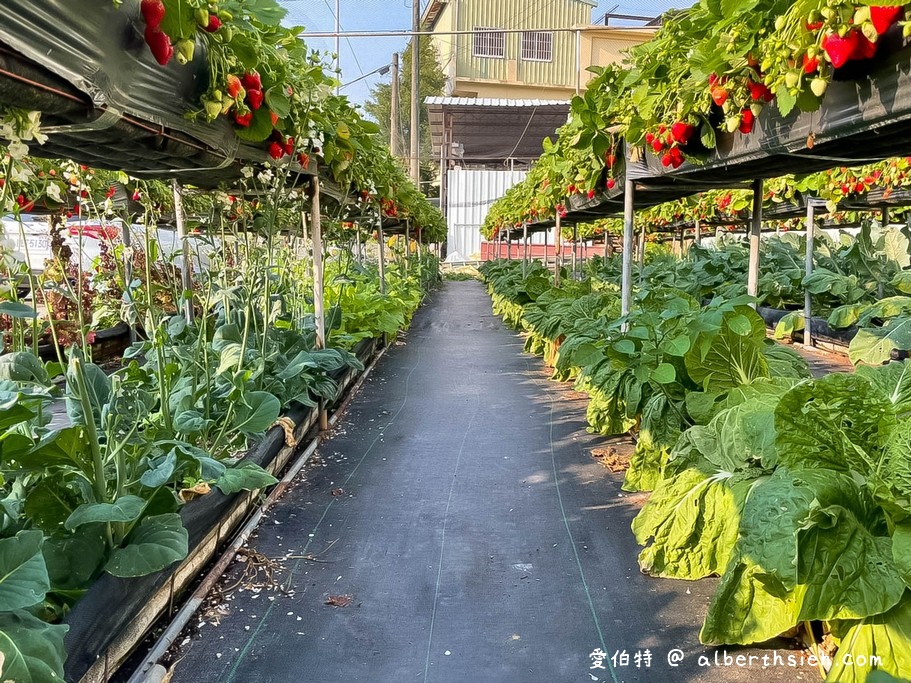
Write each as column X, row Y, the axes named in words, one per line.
column 725, row 359
column 260, row 127
column 625, row 346
column 73, row 561
column 665, row 373
column 678, row 346
column 155, row 544
column 257, row 413
column 245, row 477
column 844, row 571
column 874, row 345
column 161, row 472
column 14, row 309
column 190, row 422
column 126, row 509
column 49, row 504
column 837, row 422
column 886, row 636
column 740, row 325
column 98, row 385
column 747, row 608
column 23, row 367
column 32, row 650
column 689, row 525
column 278, row 101
column 23, row 574
column 892, row 381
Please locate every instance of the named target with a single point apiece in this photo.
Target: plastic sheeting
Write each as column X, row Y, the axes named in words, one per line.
column 95, row 51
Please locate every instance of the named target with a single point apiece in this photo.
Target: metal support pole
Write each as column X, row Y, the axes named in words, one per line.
column 127, row 238
column 407, row 246
column 509, row 247
column 575, row 250
column 360, row 255
column 885, row 219
column 807, row 299
column 416, row 95
column 545, row 249
column 641, row 253
column 319, row 304
column 525, row 249
column 629, row 215
column 186, row 266
column 698, row 237
column 755, row 234
column 381, row 240
column 558, row 251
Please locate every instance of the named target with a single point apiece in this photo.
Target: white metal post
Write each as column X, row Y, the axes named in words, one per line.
column 524, row 249
column 575, row 249
column 698, row 237
column 186, row 267
column 558, row 251
column 808, row 303
column 545, row 249
column 629, row 213
column 408, row 246
column 381, row 240
column 360, row 255
column 755, row 235
column 319, row 304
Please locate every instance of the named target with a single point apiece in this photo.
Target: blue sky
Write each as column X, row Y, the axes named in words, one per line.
column 362, row 55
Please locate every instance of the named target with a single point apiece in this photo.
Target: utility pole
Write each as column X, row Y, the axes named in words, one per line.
column 396, row 117
column 416, row 95
column 338, row 44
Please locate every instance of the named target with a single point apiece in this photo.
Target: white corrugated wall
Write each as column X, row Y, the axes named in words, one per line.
column 470, row 196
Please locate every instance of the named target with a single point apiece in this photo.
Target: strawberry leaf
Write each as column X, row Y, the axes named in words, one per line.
column 260, row 127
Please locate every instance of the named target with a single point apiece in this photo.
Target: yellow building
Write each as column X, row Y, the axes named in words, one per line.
column 523, row 49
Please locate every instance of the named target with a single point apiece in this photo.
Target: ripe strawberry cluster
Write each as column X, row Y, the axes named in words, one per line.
column 851, row 43
column 159, row 42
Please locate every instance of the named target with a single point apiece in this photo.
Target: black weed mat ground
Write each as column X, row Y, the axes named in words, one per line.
column 457, row 528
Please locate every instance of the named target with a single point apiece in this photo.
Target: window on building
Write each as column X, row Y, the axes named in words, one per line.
column 489, row 42
column 537, row 46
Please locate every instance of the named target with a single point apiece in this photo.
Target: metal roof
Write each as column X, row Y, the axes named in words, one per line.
column 491, row 102
column 492, row 130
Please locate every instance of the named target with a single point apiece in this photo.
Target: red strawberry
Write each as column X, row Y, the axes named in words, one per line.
column 274, row 118
column 136, row 196
column 153, row 12
column 713, row 80
column 611, row 183
column 859, row 187
column 884, row 17
column 160, row 45
column 303, row 160
column 255, row 99
column 676, row 157
column 244, row 120
column 865, row 49
column 591, row 194
column 719, row 96
column 649, row 138
column 611, row 159
column 814, row 26
column 657, row 145
column 682, row 132
column 840, row 50
column 276, row 151
column 233, row 86
column 746, row 121
column 252, row 81
column 289, row 146
column 214, row 24
column 810, row 64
